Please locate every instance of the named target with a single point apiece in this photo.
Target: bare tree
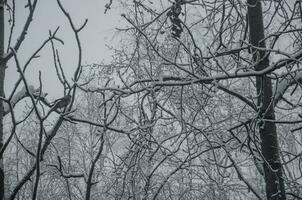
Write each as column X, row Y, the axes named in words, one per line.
column 39, row 108
column 217, row 69
column 201, row 101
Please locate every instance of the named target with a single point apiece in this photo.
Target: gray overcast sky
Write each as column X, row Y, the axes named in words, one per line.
column 98, row 32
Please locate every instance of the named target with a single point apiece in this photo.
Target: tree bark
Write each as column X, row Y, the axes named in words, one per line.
column 2, row 75
column 267, row 130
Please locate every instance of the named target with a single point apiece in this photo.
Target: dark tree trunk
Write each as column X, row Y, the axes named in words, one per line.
column 267, row 130
column 2, row 75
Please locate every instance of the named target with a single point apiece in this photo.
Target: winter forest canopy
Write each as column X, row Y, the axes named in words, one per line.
column 199, row 100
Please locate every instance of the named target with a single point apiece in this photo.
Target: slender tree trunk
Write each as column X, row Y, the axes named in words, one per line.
column 89, row 183
column 2, row 75
column 268, row 134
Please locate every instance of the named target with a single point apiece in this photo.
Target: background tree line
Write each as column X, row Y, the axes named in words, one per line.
column 201, row 100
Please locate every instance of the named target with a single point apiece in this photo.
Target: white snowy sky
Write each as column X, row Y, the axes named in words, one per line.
column 100, row 30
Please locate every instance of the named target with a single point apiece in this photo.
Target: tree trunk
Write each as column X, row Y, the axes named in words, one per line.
column 267, row 130
column 2, row 74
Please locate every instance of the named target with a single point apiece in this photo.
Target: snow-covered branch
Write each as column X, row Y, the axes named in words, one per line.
column 285, row 83
column 21, row 95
